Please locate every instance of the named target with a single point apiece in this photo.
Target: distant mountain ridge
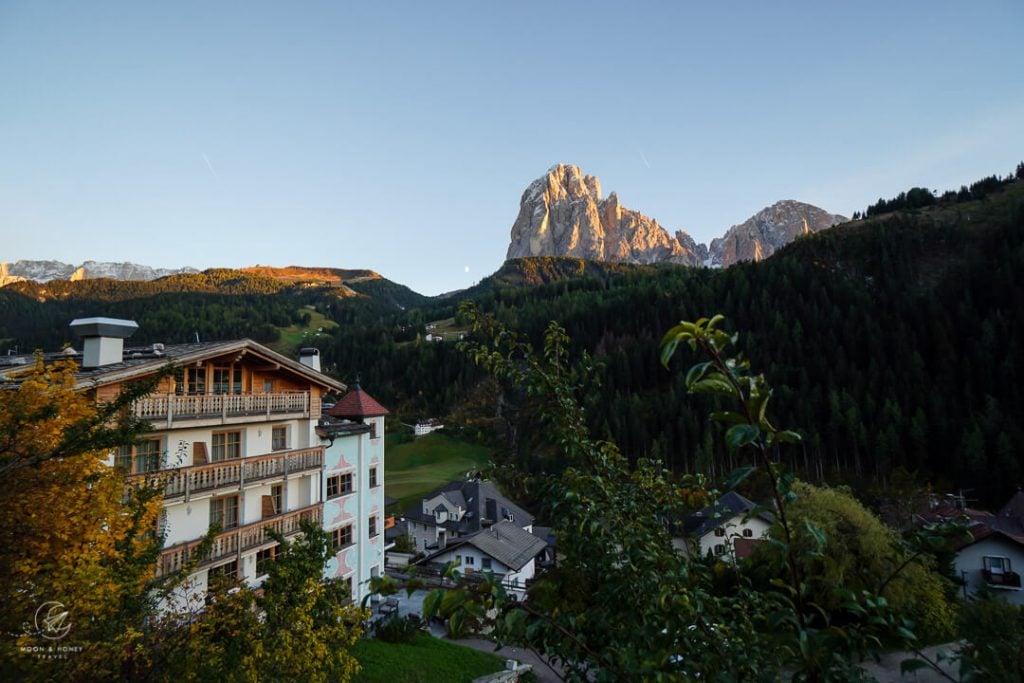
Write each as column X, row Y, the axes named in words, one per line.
column 45, row 271
column 562, row 213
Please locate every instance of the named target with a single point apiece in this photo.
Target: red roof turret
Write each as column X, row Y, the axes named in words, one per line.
column 357, row 404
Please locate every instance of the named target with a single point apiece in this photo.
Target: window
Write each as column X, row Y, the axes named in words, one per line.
column 347, row 583
column 264, row 557
column 719, row 549
column 748, row 533
column 342, row 537
column 123, row 458
column 373, row 477
column 142, row 457
column 339, row 485
column 373, row 526
column 224, row 512
column 279, row 438
column 227, row 380
column 996, row 565
column 226, row 446
column 373, row 429
column 147, row 455
column 190, row 381
column 470, row 560
column 485, row 563
column 720, row 532
column 224, row 571
column 277, row 496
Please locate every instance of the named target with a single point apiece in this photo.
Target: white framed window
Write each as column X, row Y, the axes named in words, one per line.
column 226, row 446
column 279, row 438
column 339, row 485
column 143, row 456
column 748, row 533
column 996, row 565
column 224, row 511
column 719, row 549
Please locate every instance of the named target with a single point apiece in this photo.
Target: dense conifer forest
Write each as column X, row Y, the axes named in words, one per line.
column 892, row 341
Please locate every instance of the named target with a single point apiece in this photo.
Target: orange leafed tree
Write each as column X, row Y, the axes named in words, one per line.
column 73, row 531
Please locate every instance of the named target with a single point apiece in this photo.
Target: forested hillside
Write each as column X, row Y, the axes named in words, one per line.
column 892, row 341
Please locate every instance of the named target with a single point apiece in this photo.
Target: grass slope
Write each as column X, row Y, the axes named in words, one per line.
column 414, row 468
column 425, row 660
column 294, row 336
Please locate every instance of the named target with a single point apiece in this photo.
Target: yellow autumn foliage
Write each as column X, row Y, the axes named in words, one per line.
column 67, row 531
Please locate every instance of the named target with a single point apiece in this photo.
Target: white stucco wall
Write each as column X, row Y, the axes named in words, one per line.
column 734, row 528
column 968, row 565
column 363, row 559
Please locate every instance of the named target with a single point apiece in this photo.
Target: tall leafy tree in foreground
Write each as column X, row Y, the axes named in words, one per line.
column 77, row 541
column 78, row 547
column 297, row 627
column 623, row 604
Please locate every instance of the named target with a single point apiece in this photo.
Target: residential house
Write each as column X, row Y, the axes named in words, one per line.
column 235, row 443
column 424, row 427
column 459, row 509
column 729, row 528
column 504, row 549
column 992, row 559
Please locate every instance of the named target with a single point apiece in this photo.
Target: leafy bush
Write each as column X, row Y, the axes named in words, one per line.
column 994, row 631
column 395, row 629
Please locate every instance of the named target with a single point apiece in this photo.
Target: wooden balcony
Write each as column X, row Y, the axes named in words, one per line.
column 234, row 474
column 1001, row 579
column 235, row 542
column 170, row 408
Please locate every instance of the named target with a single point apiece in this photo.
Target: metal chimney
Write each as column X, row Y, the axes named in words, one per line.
column 310, row 357
column 103, row 339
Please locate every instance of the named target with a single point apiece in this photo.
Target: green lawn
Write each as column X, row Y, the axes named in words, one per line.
column 294, row 336
column 425, row 660
column 414, row 468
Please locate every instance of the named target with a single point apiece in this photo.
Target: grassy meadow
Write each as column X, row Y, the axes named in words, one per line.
column 415, row 467
column 426, row 660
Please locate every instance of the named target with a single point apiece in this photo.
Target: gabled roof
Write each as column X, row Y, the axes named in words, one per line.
column 725, row 508
column 357, row 404
column 1014, row 507
column 138, row 362
column 505, row 542
column 481, row 500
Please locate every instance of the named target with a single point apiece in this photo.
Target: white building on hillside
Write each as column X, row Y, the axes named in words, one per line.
column 237, row 443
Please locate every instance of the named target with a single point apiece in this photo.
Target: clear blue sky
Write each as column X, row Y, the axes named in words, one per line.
column 400, row 136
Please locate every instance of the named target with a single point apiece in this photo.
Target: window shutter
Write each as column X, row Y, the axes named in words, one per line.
column 199, row 453
column 268, row 506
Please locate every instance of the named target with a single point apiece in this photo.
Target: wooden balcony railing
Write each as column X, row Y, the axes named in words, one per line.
column 1007, row 579
column 234, row 542
column 235, row 473
column 171, row 408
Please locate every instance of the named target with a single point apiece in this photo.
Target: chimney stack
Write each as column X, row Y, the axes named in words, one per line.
column 103, row 339
column 310, row 357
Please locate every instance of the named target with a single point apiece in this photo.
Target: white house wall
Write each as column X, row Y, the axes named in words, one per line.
column 189, row 520
column 470, row 561
column 364, row 558
column 733, row 529
column 968, row 565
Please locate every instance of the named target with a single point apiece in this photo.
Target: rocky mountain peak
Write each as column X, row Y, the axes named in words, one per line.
column 768, row 230
column 562, row 213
